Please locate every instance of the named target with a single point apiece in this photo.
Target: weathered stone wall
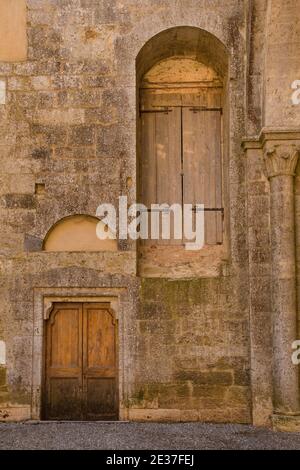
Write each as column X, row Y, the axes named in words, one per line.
column 282, row 63
column 284, row 45
column 68, row 143
column 273, row 120
column 194, row 342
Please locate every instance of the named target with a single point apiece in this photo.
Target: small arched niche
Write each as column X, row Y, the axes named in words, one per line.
column 182, row 145
column 78, row 233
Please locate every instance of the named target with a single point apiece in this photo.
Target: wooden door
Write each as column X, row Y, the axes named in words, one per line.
column 81, row 363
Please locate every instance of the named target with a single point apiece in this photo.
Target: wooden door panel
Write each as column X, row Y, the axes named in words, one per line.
column 99, row 338
column 65, row 350
column 65, row 397
column 101, row 398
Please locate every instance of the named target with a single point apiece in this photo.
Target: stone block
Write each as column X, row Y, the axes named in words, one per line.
column 59, row 116
column 82, row 135
column 32, row 243
column 285, row 423
column 19, row 201
column 13, row 413
column 205, row 378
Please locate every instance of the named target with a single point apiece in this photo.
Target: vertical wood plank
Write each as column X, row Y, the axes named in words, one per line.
column 148, row 159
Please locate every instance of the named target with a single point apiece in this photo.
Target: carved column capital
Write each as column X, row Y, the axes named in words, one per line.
column 281, row 159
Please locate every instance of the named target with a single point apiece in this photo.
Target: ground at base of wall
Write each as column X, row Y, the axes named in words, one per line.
column 156, row 436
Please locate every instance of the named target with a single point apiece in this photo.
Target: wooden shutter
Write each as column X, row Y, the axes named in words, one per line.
column 202, row 167
column 184, row 141
column 161, row 160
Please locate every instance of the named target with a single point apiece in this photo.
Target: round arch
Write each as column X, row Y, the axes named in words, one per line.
column 187, row 41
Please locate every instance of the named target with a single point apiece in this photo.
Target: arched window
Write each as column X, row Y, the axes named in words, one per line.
column 182, row 77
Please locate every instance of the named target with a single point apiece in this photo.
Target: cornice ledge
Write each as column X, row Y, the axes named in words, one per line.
column 291, row 135
column 269, row 134
column 251, row 142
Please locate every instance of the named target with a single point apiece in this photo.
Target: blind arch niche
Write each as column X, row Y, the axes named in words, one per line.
column 77, row 233
column 182, row 128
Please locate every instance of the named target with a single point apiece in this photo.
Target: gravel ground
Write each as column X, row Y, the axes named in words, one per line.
column 153, row 436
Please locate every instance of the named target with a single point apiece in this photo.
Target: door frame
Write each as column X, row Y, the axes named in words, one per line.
column 44, row 300
column 104, row 305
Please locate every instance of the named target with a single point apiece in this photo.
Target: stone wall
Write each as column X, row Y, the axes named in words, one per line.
column 67, row 144
column 282, row 64
column 194, row 342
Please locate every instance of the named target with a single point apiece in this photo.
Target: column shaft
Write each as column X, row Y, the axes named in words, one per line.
column 286, row 379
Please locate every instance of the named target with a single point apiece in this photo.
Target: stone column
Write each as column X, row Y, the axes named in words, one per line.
column 281, row 161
